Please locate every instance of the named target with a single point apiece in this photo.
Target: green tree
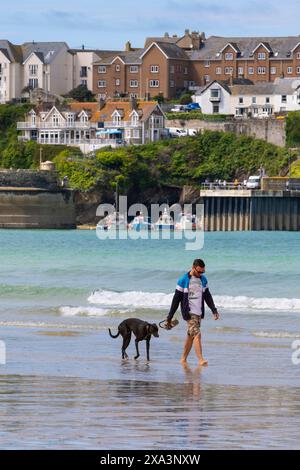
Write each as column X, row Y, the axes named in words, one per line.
column 82, row 94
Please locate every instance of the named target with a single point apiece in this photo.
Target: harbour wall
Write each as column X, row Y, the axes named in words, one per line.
column 34, row 199
column 243, row 210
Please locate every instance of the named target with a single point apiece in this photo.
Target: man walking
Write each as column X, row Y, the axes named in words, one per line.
column 191, row 293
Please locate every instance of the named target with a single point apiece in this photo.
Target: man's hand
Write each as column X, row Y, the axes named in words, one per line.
column 217, row 316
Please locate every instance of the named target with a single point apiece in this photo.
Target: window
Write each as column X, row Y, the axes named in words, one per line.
column 241, row 100
column 101, row 69
column 154, row 68
column 83, row 118
column 134, row 83
column 33, row 83
column 206, row 63
column 254, row 99
column 241, row 70
column 136, row 134
column 118, row 68
column 70, row 118
column 33, row 69
column 261, row 70
column 250, row 70
column 218, row 70
column 118, row 82
column 215, row 93
column 298, row 69
column 172, row 69
column 134, row 119
column 185, row 70
column 116, row 119
column 101, row 83
column 229, row 56
column 55, row 120
column 290, row 70
column 172, row 83
column 83, row 72
column 261, row 56
column 273, row 70
column 206, row 78
column 133, row 95
column 283, row 98
column 134, row 69
column 83, row 82
column 267, row 100
column 298, row 55
column 228, row 70
column 154, row 83
column 216, row 109
column 178, row 68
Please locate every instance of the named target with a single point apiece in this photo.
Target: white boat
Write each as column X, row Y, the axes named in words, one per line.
column 187, row 222
column 112, row 221
column 140, row 223
column 165, row 222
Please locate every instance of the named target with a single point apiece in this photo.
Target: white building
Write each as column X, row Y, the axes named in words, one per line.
column 94, row 125
column 50, row 66
column 250, row 100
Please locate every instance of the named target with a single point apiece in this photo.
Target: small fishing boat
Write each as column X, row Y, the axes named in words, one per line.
column 165, row 222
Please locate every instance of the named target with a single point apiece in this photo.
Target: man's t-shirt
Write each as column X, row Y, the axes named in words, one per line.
column 195, row 296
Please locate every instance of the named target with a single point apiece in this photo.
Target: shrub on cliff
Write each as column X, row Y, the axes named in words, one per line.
column 293, row 129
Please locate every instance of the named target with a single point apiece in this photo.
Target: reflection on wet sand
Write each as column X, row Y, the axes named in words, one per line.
column 52, row 412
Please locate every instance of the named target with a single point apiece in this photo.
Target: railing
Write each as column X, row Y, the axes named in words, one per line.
column 61, row 126
column 215, row 98
column 121, row 124
column 223, row 186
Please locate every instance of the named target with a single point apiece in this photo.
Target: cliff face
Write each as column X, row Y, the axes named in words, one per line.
column 86, row 203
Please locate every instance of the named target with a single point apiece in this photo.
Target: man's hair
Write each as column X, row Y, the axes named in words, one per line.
column 199, row 262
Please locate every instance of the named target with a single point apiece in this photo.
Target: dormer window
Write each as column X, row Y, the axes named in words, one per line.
column 134, row 119
column 84, row 118
column 70, row 118
column 33, row 118
column 55, row 120
column 261, row 56
column 116, row 118
column 229, row 56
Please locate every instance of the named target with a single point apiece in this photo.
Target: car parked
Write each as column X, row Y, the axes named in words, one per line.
column 175, row 132
column 253, row 182
column 178, row 108
column 193, row 107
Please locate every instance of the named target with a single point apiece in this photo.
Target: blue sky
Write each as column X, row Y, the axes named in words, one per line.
column 110, row 23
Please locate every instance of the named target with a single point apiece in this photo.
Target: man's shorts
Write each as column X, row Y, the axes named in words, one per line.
column 194, row 325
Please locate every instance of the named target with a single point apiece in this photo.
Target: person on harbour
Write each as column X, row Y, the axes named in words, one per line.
column 191, row 293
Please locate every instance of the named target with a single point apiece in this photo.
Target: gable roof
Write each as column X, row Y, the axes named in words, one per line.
column 281, row 47
column 170, row 51
column 47, row 50
column 144, row 110
column 223, row 84
column 127, row 57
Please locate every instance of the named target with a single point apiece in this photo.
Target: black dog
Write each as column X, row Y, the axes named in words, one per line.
column 142, row 331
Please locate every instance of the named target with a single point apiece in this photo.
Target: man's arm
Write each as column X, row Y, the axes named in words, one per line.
column 210, row 303
column 175, row 304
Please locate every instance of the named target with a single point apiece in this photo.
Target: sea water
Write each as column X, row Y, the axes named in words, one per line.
column 64, row 384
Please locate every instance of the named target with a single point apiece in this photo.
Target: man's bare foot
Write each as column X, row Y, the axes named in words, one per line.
column 203, row 363
column 183, row 361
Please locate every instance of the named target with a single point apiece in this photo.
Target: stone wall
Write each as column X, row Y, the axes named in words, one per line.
column 29, row 179
column 270, row 130
column 32, row 208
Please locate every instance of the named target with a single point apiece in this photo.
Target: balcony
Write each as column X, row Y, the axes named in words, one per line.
column 62, row 126
column 121, row 124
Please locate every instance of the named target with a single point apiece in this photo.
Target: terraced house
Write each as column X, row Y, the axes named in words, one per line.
column 167, row 65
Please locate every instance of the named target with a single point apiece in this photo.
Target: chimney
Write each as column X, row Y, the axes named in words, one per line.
column 196, row 40
column 82, row 47
column 102, row 104
column 133, row 103
column 128, row 46
column 187, row 32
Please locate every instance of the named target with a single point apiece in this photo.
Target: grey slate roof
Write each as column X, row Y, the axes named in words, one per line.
column 172, row 51
column 280, row 46
column 47, row 51
column 130, row 57
column 13, row 52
